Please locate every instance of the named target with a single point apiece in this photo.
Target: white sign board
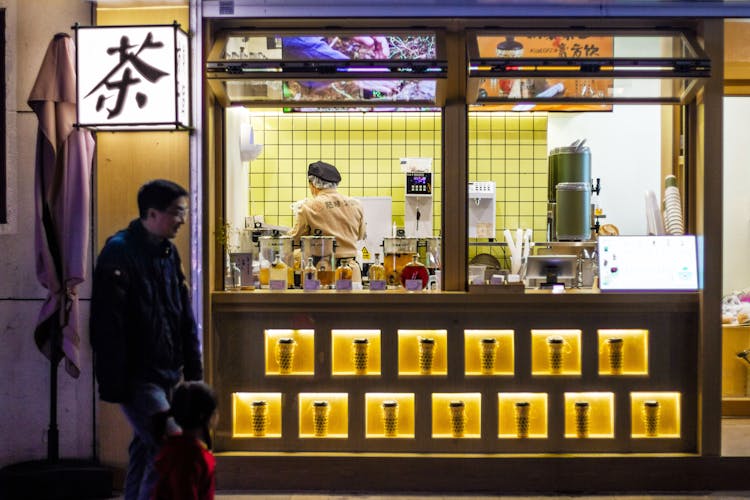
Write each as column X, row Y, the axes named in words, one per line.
column 132, row 77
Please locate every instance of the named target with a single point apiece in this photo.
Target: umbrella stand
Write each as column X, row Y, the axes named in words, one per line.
column 53, row 433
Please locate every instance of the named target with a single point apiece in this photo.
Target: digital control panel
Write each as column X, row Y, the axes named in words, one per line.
column 419, row 184
column 482, row 189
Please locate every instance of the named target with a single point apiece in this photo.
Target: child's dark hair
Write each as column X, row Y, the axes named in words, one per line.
column 193, row 404
column 158, row 194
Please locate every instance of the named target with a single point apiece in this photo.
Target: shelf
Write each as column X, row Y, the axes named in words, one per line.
column 522, row 421
column 589, row 415
column 389, row 421
column 318, row 420
column 290, row 352
column 485, row 358
column 735, row 372
column 655, row 414
column 555, row 352
column 423, row 352
column 623, row 352
column 250, row 420
column 456, row 415
column 355, row 352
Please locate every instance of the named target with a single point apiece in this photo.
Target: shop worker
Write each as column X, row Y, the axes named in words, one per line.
column 329, row 213
column 143, row 332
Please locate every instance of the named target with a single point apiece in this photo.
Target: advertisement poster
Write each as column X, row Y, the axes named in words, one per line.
column 344, row 48
column 548, row 47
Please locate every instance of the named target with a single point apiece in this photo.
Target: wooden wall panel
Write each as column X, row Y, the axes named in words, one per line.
column 124, row 161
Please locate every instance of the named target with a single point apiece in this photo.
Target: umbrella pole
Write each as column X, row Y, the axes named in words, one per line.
column 53, row 434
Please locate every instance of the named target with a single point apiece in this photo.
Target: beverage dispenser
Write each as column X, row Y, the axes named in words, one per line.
column 418, row 204
column 482, row 209
column 569, row 189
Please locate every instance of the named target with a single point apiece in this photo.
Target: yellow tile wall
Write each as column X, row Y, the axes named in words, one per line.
column 508, row 148
column 511, row 149
column 365, row 147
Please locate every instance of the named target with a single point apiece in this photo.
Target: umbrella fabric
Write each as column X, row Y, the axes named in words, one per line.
column 62, row 195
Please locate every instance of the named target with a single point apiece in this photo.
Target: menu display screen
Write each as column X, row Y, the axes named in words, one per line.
column 648, row 263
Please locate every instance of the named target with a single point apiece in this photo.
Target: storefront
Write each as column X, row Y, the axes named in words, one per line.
column 451, row 385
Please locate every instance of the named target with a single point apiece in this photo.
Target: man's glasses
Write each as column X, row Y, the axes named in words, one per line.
column 179, row 212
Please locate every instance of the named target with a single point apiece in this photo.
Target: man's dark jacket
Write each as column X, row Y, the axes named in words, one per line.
column 142, row 326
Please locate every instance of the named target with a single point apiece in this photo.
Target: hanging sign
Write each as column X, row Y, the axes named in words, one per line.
column 133, row 77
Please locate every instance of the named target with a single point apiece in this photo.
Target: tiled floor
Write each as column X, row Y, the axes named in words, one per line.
column 735, row 441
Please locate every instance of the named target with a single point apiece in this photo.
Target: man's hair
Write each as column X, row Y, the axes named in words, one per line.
column 158, row 194
column 320, row 183
column 193, row 404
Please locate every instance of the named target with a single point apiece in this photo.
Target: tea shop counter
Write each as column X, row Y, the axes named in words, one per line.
column 304, row 378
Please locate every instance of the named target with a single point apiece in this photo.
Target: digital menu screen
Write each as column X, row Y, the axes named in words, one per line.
column 647, row 263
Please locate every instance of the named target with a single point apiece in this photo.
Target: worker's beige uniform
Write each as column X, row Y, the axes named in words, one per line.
column 332, row 214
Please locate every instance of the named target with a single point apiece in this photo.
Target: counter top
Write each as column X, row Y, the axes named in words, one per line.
column 297, row 300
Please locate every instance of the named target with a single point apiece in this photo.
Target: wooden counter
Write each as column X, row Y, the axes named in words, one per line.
column 242, row 365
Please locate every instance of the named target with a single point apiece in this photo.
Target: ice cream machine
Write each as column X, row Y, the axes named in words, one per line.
column 418, row 205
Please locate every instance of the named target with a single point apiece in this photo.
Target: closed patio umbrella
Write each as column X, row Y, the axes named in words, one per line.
column 62, row 198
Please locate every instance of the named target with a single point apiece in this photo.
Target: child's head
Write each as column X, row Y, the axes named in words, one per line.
column 193, row 405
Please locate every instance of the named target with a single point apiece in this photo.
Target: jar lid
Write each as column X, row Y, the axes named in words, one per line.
column 320, row 403
column 651, row 403
column 456, row 404
column 489, row 340
column 426, row 340
column 361, row 341
column 582, row 404
column 286, row 340
column 390, row 403
column 275, row 237
column 259, row 403
column 523, row 403
column 555, row 340
column 615, row 340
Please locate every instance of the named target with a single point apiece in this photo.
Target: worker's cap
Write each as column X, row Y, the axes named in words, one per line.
column 324, row 171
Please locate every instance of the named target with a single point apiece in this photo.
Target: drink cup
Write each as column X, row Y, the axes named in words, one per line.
column 582, row 419
column 458, row 418
column 360, row 355
column 556, row 350
column 321, row 412
column 285, row 354
column 426, row 355
column 522, row 411
column 390, row 418
column 614, row 346
column 651, row 413
column 488, row 352
column 259, row 410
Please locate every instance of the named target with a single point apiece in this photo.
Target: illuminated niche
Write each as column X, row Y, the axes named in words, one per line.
column 623, row 352
column 323, row 415
column 389, row 415
column 256, row 415
column 488, row 352
column 589, row 415
column 655, row 414
column 456, row 415
column 556, row 352
column 522, row 415
column 355, row 352
column 422, row 352
column 290, row 352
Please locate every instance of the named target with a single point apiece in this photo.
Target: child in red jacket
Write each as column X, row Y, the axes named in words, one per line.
column 185, row 466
